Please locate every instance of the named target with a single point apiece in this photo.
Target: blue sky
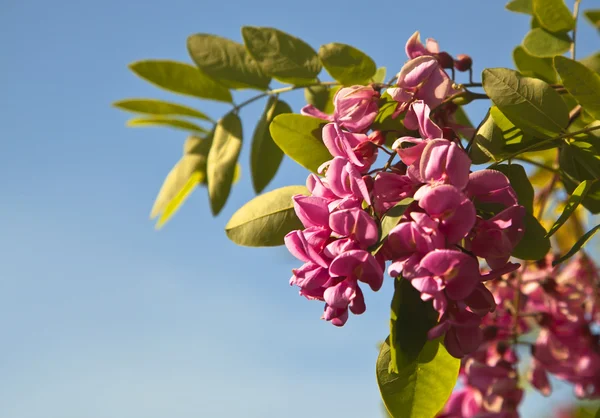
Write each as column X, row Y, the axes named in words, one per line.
column 101, row 315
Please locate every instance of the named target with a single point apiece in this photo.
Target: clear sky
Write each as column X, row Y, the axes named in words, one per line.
column 102, row 316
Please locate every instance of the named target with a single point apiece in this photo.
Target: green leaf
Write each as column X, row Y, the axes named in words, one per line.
column 580, row 243
column 541, row 43
column 574, row 159
column 282, row 56
column 553, row 15
column 574, row 200
column 581, row 82
column 384, row 120
column 531, row 66
column 592, row 62
column 461, row 117
column 593, row 16
column 166, row 122
column 488, row 142
column 534, row 245
column 159, row 107
column 520, row 183
column 265, row 220
column 529, row 103
column 379, row 76
column 347, row 64
column 421, row 387
column 266, row 156
column 598, row 413
column 410, row 321
column 321, row 97
column 182, row 78
column 189, row 172
column 222, row 159
column 299, row 137
column 520, row 6
column 226, row 61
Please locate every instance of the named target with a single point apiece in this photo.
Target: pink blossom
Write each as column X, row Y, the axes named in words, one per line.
column 422, row 78
column 356, row 224
column 311, row 210
column 390, row 188
column 495, row 239
column 344, row 180
column 356, row 107
column 355, row 147
column 442, row 162
column 451, row 209
column 491, row 186
column 414, row 48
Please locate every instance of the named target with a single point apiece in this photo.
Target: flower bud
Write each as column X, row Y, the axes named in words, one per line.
column 377, row 137
column 445, row 60
column 463, row 62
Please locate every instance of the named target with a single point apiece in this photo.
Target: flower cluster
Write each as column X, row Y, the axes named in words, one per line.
column 565, row 302
column 437, row 241
column 562, row 303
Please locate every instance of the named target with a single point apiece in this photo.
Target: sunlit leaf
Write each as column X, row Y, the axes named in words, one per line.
column 529, row 103
column 553, row 15
column 265, row 220
column 189, row 172
column 541, row 43
column 282, row 56
column 578, row 245
column 520, row 6
column 380, row 74
column 222, row 159
column 159, row 107
column 166, row 121
column 574, row 200
column 182, row 78
column 581, row 82
column 593, row 16
column 299, row 137
column 421, row 387
column 347, row 64
column 226, row 61
column 532, row 66
column 265, row 155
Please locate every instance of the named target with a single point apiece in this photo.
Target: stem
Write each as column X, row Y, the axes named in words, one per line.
column 546, row 141
column 472, row 84
column 575, row 16
column 280, row 90
column 540, row 165
column 384, row 149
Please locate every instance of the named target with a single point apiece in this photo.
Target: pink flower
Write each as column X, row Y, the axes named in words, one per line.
column 417, row 118
column 354, row 147
column 496, row 238
column 454, row 212
column 491, row 186
column 389, row 189
column 422, row 78
column 359, row 265
column 441, row 162
column 414, row 48
column 356, row 224
column 356, row 107
column 311, row 210
column 458, row 271
column 344, row 180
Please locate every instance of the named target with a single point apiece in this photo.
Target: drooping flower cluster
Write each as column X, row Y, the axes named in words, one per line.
column 559, row 301
column 437, row 242
column 565, row 301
